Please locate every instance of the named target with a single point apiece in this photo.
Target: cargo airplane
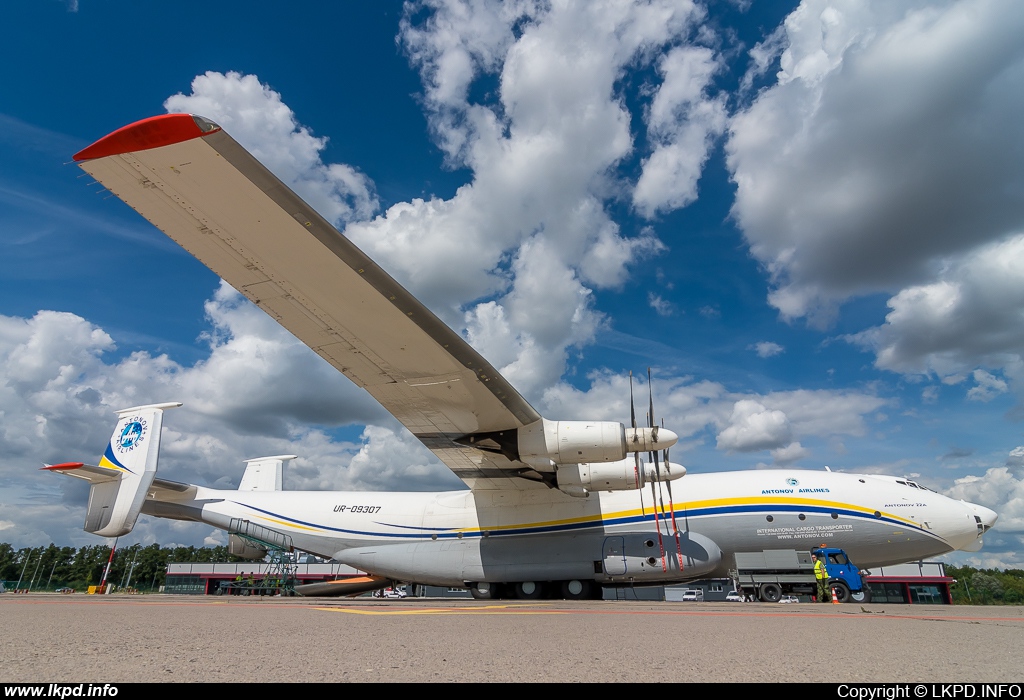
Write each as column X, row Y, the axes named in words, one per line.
column 554, row 508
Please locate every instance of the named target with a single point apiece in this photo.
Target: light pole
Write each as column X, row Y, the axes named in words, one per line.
column 38, row 563
column 28, row 558
column 49, row 580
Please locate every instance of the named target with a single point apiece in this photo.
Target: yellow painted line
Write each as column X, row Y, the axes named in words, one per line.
column 288, row 523
column 483, row 610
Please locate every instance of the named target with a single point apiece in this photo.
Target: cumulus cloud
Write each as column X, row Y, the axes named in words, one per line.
column 970, row 315
column 1015, row 460
column 257, row 118
column 988, row 386
column 753, row 427
column 661, row 306
column 542, row 145
column 887, row 147
column 793, row 452
column 768, row 349
column 1002, row 491
column 682, row 122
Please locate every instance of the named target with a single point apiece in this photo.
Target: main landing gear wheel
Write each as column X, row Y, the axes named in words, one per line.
column 483, row 591
column 529, row 590
column 771, row 593
column 577, row 590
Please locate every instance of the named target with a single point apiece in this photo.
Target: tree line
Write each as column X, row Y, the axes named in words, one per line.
column 137, row 566
column 986, row 586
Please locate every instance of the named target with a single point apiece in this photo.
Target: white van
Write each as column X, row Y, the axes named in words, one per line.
column 696, row 594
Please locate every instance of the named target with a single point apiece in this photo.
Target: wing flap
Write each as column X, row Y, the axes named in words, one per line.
column 219, row 203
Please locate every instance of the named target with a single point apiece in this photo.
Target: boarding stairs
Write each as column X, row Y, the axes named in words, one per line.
column 279, row 575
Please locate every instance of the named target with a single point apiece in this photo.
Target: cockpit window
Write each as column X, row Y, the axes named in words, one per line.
column 912, row 484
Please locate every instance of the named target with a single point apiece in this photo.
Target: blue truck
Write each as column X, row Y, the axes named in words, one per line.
column 771, row 573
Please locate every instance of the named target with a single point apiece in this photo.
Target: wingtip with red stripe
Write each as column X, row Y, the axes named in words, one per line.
column 62, row 467
column 154, row 132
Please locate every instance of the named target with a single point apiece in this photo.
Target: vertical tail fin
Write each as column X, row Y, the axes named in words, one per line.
column 131, row 456
column 264, row 473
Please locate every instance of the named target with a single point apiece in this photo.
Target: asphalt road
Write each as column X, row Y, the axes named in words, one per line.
column 109, row 639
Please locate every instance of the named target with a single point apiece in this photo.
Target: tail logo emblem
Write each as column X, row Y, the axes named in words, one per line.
column 134, row 432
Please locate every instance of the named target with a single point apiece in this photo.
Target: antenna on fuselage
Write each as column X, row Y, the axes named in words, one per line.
column 638, row 472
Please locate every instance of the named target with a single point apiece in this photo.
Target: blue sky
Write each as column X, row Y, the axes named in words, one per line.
column 805, row 217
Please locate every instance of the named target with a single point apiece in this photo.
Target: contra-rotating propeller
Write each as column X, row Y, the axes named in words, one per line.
column 653, row 439
column 641, row 474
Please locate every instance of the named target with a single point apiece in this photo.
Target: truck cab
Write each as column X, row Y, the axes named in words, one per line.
column 839, row 568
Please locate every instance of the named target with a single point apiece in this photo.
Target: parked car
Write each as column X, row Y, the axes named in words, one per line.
column 391, row 592
column 734, row 597
column 696, row 594
column 789, row 599
column 65, row 590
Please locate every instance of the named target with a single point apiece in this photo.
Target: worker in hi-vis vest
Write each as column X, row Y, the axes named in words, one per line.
column 821, row 574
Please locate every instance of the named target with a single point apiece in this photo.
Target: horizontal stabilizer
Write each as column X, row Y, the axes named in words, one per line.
column 90, row 472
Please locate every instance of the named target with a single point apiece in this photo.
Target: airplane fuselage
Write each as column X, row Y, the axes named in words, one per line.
column 459, row 537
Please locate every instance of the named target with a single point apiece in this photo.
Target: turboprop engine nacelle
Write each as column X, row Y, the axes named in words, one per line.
column 545, row 443
column 580, row 479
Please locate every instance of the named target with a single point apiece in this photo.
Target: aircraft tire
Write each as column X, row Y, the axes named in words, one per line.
column 529, row 590
column 576, row 589
column 483, row 591
column 771, row 593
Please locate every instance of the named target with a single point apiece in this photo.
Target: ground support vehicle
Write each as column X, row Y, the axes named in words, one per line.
column 772, row 573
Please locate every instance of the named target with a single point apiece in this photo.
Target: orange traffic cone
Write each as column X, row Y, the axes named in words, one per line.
column 835, row 598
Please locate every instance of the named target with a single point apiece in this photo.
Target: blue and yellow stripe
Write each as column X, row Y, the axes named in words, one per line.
column 110, row 461
column 696, row 509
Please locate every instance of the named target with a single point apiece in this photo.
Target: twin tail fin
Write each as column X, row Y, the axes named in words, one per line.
column 118, row 485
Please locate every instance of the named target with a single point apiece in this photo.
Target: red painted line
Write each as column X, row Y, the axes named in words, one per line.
column 154, row 132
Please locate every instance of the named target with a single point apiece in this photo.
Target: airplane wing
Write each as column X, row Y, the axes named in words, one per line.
column 200, row 187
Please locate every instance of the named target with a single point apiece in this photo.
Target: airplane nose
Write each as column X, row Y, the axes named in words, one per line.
column 987, row 516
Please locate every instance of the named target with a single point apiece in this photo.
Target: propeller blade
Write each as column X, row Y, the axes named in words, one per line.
column 650, row 415
column 657, row 526
column 632, row 409
column 672, row 509
column 638, row 471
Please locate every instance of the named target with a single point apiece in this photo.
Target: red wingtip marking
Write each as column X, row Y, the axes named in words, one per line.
column 154, row 132
column 66, row 465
